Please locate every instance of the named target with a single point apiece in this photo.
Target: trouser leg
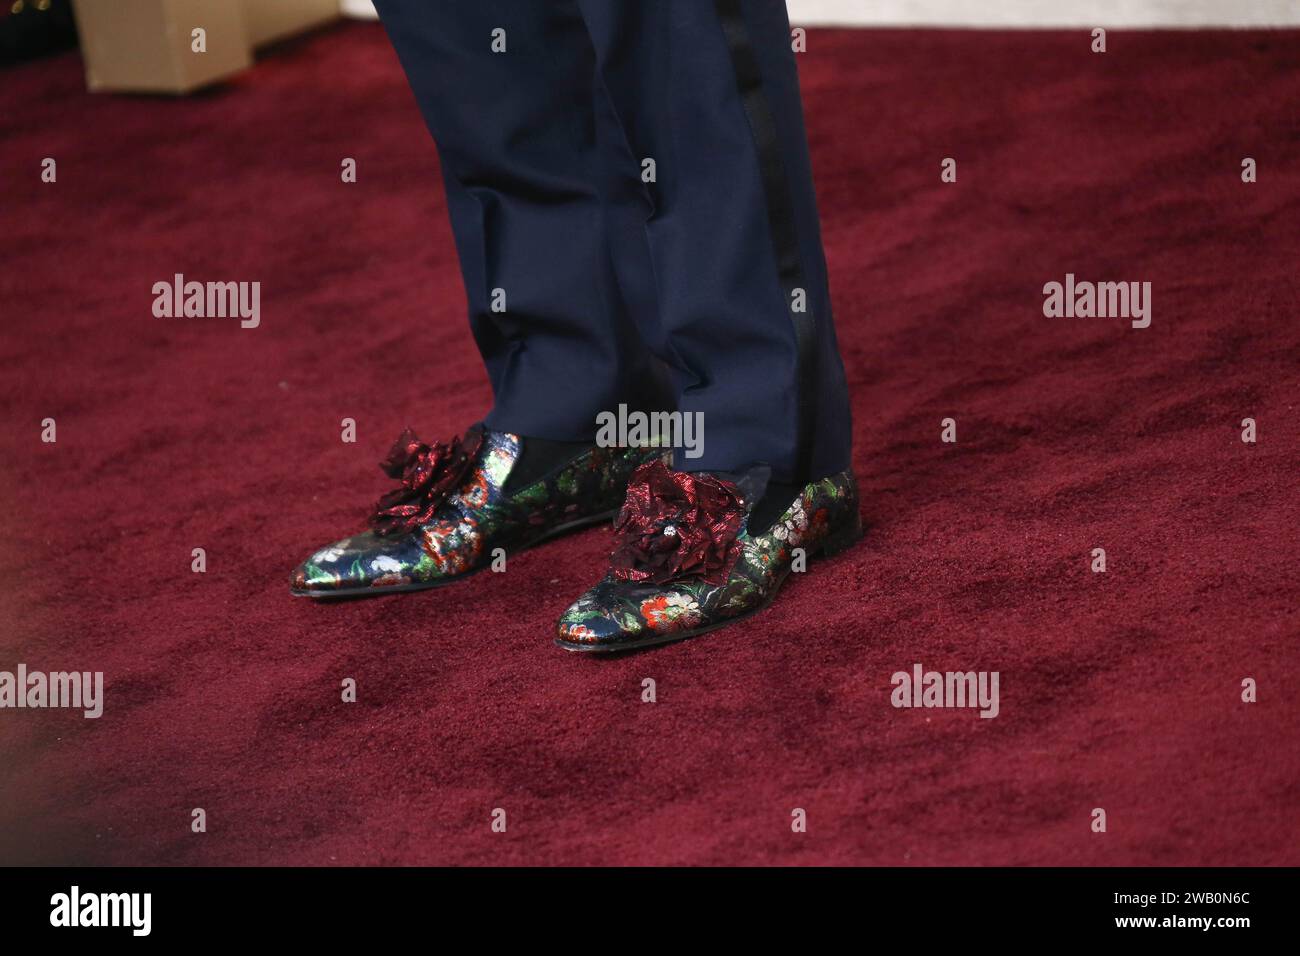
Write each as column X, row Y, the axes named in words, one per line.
column 523, row 152
column 708, row 90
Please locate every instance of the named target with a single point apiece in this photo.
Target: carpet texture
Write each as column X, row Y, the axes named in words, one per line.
column 1119, row 691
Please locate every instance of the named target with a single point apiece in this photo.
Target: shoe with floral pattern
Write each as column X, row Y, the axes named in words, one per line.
column 454, row 507
column 687, row 562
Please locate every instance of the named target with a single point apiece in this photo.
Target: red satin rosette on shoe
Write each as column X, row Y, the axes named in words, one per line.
column 428, row 475
column 675, row 525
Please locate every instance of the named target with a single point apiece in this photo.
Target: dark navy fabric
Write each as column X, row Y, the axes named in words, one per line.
column 673, row 293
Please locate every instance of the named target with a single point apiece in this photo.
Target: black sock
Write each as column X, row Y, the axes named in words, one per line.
column 777, row 497
column 539, row 457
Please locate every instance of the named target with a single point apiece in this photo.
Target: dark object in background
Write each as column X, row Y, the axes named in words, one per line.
column 34, row 28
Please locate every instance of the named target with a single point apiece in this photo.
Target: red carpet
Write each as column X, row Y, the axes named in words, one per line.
column 1119, row 690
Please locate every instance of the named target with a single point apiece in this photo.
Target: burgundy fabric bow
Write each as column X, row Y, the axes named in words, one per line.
column 429, row 473
column 676, row 525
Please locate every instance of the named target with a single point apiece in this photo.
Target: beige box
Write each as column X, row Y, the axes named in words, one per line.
column 148, row 45
column 271, row 20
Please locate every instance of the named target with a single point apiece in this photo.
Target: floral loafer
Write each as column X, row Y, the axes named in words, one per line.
column 687, row 563
column 453, row 510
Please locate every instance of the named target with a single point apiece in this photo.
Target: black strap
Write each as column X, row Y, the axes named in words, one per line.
column 780, row 214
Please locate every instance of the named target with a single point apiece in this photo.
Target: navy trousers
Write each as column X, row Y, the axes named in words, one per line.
column 629, row 187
